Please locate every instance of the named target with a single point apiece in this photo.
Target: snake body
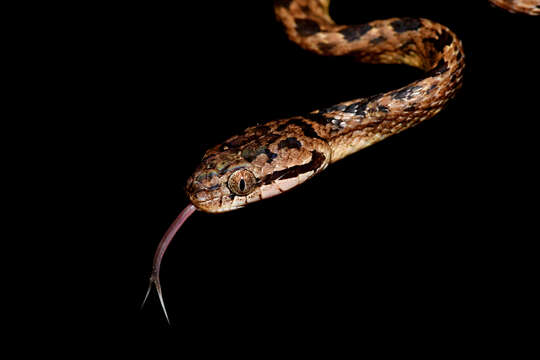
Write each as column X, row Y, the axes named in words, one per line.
column 267, row 160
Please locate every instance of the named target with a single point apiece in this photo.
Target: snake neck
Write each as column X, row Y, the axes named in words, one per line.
column 355, row 124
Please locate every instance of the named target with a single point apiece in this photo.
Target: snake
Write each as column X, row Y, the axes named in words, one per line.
column 269, row 159
column 528, row 7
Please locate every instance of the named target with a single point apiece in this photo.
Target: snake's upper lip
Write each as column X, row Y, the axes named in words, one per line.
column 196, row 186
column 214, row 187
column 199, row 193
column 203, row 201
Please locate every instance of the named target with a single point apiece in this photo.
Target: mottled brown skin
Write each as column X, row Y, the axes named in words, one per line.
column 529, row 7
column 269, row 159
column 272, row 158
column 278, row 154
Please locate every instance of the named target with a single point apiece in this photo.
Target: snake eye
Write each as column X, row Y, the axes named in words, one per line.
column 241, row 182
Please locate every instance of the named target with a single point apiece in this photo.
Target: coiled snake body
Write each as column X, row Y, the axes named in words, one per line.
column 267, row 160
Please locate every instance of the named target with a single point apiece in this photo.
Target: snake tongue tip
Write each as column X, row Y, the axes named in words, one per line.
column 154, row 281
column 147, row 293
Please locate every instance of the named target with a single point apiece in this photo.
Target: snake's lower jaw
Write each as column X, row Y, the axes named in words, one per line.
column 202, row 197
column 204, row 201
column 199, row 199
column 206, row 205
column 214, row 206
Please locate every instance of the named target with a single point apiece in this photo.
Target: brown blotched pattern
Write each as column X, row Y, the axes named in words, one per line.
column 355, row 124
column 280, row 154
column 529, row 7
column 269, row 159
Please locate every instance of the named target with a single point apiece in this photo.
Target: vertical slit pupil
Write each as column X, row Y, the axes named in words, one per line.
column 242, row 185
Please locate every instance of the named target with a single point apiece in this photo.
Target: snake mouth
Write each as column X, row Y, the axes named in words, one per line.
column 210, row 199
column 203, row 194
column 203, row 200
column 214, row 205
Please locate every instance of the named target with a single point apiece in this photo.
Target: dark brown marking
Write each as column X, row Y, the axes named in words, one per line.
column 317, row 159
column 355, row 32
column 318, row 117
column 261, row 130
column 244, row 139
column 441, row 68
column 306, row 27
column 206, row 158
column 408, row 43
column 238, row 141
column 383, row 108
column 410, row 108
column 270, row 138
column 290, row 143
column 271, row 156
column 325, row 47
column 359, row 108
column 251, row 153
column 406, row 24
column 443, row 40
column 405, row 93
column 377, row 40
column 307, row 129
column 431, row 88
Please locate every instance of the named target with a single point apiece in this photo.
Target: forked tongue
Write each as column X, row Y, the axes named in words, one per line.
column 160, row 251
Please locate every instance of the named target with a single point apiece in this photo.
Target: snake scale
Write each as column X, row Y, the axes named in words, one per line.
column 269, row 159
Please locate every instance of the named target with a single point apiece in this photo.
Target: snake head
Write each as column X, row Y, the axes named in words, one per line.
column 222, row 182
column 264, row 161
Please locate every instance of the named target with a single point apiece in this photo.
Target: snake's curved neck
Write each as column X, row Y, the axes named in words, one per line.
column 355, row 124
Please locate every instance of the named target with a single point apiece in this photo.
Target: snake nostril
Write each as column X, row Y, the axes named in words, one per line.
column 196, row 186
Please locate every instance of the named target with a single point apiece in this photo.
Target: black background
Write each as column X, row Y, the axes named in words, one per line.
column 414, row 235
